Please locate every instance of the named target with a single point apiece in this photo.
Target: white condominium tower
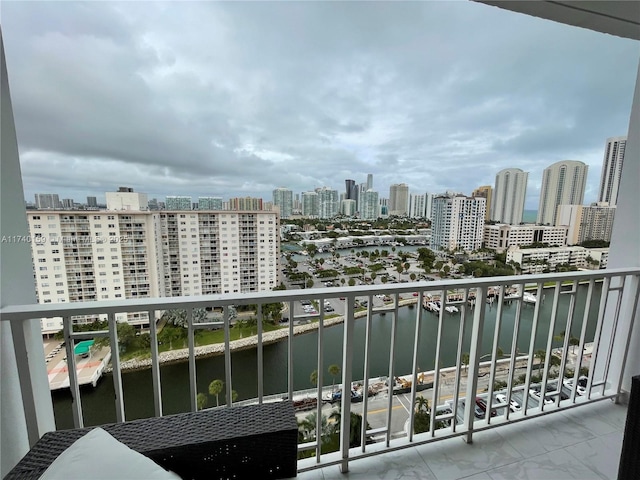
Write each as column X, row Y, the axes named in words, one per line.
column 612, row 170
column 328, row 202
column 370, row 205
column 283, row 199
column 109, row 255
column 310, row 204
column 399, row 199
column 457, row 222
column 507, row 203
column 563, row 183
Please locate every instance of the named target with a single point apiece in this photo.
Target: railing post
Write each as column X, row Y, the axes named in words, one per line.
column 155, row 366
column 347, row 366
column 74, row 388
column 193, row 386
column 474, row 362
column 115, row 363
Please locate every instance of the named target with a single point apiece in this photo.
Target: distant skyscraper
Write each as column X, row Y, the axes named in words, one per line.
column 418, row 205
column 563, row 183
column 283, row 199
column 348, row 207
column 350, row 190
column 310, row 207
column 92, row 202
column 370, row 205
column 612, row 170
column 457, row 222
column 587, row 222
column 507, row 201
column 245, row 203
column 399, row 199
column 67, row 203
column 47, row 200
column 327, row 202
column 209, row 203
column 370, row 181
column 485, row 191
column 178, row 203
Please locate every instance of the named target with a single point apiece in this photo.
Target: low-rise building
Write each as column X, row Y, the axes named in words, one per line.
column 540, row 260
column 502, row 236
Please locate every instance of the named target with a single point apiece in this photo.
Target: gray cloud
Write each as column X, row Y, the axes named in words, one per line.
column 235, row 98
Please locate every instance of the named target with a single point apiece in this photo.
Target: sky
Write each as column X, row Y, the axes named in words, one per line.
column 238, row 98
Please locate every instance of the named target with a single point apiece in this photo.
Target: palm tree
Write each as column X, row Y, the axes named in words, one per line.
column 540, row 355
column 215, row 388
column 465, row 360
column 334, row 371
column 422, row 403
column 354, row 430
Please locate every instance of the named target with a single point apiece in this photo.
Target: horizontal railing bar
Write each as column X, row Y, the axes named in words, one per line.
column 307, row 446
column 204, row 325
column 89, row 335
column 376, row 431
column 24, row 312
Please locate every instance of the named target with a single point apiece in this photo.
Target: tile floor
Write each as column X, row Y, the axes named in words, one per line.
column 583, row 442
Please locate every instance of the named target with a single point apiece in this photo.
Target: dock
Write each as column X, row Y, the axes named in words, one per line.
column 89, row 369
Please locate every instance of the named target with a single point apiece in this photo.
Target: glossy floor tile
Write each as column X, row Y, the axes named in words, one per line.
column 584, row 442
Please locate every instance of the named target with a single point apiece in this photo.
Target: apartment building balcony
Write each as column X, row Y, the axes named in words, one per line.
column 599, row 308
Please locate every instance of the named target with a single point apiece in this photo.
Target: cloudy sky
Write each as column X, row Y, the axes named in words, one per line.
column 235, row 99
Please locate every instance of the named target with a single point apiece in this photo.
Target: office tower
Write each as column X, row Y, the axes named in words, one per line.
column 457, row 222
column 178, row 203
column 370, row 181
column 485, row 191
column 67, row 203
column 509, row 195
column 563, row 183
column 351, row 192
column 49, row 201
column 348, row 207
column 399, row 199
column 92, row 202
column 209, row 203
column 587, row 222
column 370, row 205
column 384, row 207
column 612, row 170
column 245, row 203
column 283, row 199
column 418, row 205
column 327, row 202
column 109, row 255
column 310, row 207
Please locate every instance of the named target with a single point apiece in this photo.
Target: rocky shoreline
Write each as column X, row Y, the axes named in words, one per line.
column 182, row 355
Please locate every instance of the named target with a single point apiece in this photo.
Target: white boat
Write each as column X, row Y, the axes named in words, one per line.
column 451, row 309
column 529, row 297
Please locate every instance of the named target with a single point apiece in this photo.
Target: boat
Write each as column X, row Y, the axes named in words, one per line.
column 529, row 298
column 451, row 309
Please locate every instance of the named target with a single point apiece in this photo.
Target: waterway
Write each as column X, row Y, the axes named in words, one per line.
column 99, row 404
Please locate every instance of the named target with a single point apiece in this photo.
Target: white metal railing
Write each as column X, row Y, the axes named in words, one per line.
column 619, row 296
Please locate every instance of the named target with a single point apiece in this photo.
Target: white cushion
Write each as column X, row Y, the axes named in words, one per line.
column 99, row 456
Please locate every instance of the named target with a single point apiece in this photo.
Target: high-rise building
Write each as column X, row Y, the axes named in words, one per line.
column 507, row 202
column 612, row 170
column 563, row 183
column 370, row 205
column 47, row 201
column 92, row 202
column 587, row 222
column 178, row 203
column 370, row 181
column 327, row 202
column 108, row 255
column 399, row 199
column 283, row 199
column 485, row 191
column 351, row 192
column 67, row 203
column 457, row 222
column 348, row 207
column 209, row 203
column 418, row 205
column 384, row 207
column 245, row 203
column 310, row 204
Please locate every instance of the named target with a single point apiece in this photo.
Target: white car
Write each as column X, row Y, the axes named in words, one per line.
column 536, row 394
column 513, row 405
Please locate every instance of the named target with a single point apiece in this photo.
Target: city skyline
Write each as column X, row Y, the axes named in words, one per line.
column 127, row 95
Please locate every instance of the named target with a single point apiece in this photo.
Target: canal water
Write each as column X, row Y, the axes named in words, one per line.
column 99, row 403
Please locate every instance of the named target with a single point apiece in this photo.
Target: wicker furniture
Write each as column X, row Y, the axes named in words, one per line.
column 255, row 441
column 629, row 468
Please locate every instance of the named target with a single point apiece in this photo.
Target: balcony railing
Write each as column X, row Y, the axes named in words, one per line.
column 558, row 371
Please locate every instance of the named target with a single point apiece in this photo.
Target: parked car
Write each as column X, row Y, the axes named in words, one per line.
column 513, row 405
column 483, row 406
column 535, row 392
